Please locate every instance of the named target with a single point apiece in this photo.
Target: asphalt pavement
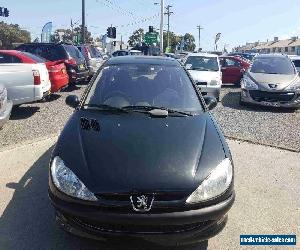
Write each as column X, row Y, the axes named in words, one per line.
column 267, row 199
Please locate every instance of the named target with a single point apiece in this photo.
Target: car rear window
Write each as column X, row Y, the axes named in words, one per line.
column 73, row 51
column 273, row 65
column 36, row 58
column 94, row 52
column 296, row 63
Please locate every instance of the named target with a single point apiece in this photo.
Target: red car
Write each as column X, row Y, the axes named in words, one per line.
column 233, row 69
column 57, row 70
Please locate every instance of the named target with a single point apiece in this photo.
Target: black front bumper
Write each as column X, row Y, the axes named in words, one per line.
column 285, row 99
column 166, row 228
column 77, row 76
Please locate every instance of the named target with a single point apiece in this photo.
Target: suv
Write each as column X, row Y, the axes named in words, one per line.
column 73, row 59
column 273, row 81
column 92, row 56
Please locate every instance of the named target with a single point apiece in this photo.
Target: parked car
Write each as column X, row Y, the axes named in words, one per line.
column 206, row 73
column 25, row 82
column 57, row 70
column 92, row 56
column 127, row 53
column 273, row 81
column 73, row 59
column 172, row 55
column 5, row 106
column 233, row 69
column 296, row 61
column 246, row 56
column 121, row 167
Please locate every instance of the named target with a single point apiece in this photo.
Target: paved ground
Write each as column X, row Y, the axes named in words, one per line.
column 274, row 127
column 266, row 183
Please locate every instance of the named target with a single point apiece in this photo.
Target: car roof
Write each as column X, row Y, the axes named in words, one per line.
column 294, row 57
column 158, row 60
column 202, row 54
column 11, row 52
column 271, row 55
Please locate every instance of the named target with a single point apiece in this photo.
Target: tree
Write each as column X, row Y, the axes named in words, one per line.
column 12, row 33
column 66, row 35
column 189, row 42
column 136, row 37
column 174, row 40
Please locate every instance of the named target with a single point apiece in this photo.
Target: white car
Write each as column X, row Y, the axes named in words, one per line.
column 296, row 61
column 24, row 82
column 206, row 72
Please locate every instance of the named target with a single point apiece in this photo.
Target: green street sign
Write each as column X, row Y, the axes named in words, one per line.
column 150, row 38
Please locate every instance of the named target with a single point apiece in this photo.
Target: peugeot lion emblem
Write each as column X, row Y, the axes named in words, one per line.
column 273, row 86
column 141, row 203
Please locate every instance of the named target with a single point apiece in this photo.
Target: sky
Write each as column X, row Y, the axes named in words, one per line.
column 237, row 21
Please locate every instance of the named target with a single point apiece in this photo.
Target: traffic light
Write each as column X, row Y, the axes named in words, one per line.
column 6, row 12
column 114, row 32
column 151, row 30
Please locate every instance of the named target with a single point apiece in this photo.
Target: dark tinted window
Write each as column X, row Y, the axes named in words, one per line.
column 36, row 58
column 73, row 51
column 49, row 52
column 272, row 65
column 231, row 63
column 296, row 63
column 94, row 52
column 150, row 85
column 9, row 59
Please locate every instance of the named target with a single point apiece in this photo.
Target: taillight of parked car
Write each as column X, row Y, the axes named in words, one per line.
column 71, row 61
column 36, row 77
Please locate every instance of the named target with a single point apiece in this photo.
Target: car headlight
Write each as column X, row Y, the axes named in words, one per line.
column 215, row 184
column 247, row 83
column 294, row 86
column 67, row 182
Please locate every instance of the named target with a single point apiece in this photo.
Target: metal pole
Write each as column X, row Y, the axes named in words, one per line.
column 83, row 22
column 121, row 43
column 162, row 3
column 168, row 34
column 199, row 28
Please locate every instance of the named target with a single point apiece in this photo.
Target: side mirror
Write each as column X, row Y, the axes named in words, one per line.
column 72, row 101
column 211, row 102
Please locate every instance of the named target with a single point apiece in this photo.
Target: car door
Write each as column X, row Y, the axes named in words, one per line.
column 17, row 77
column 231, row 70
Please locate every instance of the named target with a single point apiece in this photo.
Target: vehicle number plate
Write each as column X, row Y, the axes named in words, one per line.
column 271, row 104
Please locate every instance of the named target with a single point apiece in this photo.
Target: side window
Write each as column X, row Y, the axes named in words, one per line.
column 9, row 59
column 232, row 63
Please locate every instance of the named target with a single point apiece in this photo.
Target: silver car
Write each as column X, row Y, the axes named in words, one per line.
column 92, row 56
column 272, row 80
column 5, row 106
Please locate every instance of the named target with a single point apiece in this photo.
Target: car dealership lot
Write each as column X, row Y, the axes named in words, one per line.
column 264, row 182
column 268, row 126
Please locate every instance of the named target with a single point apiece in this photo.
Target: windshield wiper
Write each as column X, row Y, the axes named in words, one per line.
column 104, row 107
column 145, row 109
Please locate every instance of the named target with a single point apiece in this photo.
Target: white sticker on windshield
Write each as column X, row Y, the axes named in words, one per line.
column 189, row 66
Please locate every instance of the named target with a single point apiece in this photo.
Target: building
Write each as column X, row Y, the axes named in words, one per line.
column 287, row 46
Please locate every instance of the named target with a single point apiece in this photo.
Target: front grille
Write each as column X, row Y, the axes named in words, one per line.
column 173, row 196
column 264, row 96
column 136, row 229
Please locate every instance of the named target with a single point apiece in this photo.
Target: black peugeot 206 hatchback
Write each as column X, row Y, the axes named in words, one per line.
column 142, row 157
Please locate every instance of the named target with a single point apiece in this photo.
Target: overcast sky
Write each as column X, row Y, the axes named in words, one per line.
column 238, row 21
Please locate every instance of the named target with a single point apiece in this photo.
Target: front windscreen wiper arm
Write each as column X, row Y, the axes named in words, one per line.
column 149, row 108
column 104, row 107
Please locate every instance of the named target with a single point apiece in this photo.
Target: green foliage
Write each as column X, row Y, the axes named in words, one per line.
column 12, row 33
column 136, row 37
column 189, row 42
column 68, row 36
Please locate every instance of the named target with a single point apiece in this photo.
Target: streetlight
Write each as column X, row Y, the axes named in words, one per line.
column 161, row 37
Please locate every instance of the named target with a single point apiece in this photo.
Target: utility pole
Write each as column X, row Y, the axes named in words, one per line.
column 121, row 42
column 199, row 28
column 162, row 6
column 72, row 31
column 168, row 13
column 83, row 22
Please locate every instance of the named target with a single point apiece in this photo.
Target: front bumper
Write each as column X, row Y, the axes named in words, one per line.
column 213, row 91
column 284, row 99
column 4, row 116
column 167, row 228
column 75, row 77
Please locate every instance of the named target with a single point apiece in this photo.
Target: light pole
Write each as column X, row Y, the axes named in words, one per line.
column 161, row 35
column 199, row 28
column 168, row 13
column 83, row 22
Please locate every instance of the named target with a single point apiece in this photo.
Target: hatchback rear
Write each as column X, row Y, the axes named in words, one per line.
column 271, row 81
column 73, row 59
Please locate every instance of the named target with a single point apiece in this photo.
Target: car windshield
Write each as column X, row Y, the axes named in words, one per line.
column 273, row 65
column 144, row 85
column 73, row 51
column 202, row 63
